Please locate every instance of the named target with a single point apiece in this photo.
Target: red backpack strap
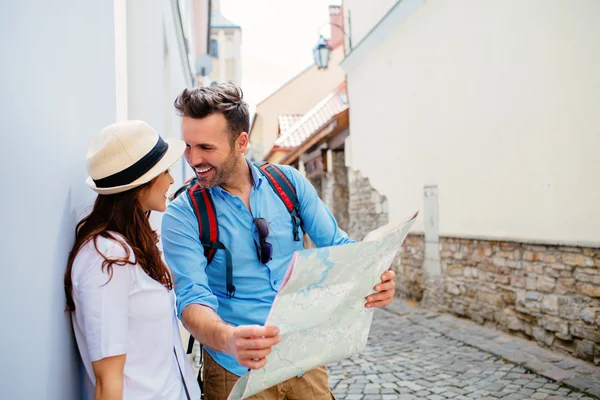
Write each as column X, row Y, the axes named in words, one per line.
column 286, row 192
column 208, row 229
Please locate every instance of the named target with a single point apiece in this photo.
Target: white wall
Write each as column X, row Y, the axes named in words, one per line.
column 363, row 16
column 68, row 69
column 155, row 74
column 497, row 103
column 58, row 91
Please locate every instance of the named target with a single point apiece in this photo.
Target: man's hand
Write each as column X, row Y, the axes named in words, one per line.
column 250, row 344
column 384, row 291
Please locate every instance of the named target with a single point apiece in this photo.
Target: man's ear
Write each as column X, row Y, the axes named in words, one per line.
column 242, row 142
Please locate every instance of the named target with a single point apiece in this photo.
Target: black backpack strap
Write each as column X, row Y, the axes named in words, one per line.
column 190, row 182
column 286, row 192
column 190, row 349
column 208, row 229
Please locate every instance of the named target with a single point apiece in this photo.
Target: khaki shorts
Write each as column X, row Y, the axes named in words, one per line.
column 218, row 382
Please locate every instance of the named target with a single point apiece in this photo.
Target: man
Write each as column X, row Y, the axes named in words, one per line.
column 215, row 124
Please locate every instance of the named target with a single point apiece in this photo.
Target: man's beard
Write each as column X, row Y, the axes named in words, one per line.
column 221, row 174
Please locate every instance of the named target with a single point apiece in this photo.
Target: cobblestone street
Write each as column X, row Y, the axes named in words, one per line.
column 415, row 354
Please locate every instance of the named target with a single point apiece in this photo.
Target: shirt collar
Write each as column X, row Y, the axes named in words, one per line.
column 257, row 177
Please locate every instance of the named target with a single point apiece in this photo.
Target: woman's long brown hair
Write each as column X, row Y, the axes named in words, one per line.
column 120, row 213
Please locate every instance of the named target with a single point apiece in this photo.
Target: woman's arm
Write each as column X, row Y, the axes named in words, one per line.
column 109, row 377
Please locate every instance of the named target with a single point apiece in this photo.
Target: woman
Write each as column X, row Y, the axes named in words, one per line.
column 118, row 289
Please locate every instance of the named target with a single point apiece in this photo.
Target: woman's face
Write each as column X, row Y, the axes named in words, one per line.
column 155, row 197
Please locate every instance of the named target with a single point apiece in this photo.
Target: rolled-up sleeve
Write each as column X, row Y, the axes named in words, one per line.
column 102, row 302
column 184, row 255
column 317, row 219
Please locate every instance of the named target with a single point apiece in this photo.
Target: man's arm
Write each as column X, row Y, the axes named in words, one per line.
column 321, row 226
column 249, row 344
column 196, row 304
column 317, row 219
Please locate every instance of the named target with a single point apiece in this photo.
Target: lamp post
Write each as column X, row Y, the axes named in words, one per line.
column 322, row 50
column 321, row 53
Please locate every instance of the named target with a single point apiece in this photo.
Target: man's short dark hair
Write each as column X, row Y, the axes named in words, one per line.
column 226, row 98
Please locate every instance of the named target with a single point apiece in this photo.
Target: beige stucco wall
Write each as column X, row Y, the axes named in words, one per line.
column 297, row 96
column 495, row 102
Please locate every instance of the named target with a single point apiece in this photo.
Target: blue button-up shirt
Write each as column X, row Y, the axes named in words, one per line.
column 256, row 284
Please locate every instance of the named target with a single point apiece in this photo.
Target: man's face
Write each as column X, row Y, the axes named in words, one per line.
column 208, row 149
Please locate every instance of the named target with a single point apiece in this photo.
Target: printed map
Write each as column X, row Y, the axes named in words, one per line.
column 320, row 308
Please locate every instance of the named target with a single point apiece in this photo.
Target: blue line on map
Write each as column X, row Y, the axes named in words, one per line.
column 323, row 255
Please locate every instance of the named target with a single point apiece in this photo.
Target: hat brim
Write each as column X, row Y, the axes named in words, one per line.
column 174, row 153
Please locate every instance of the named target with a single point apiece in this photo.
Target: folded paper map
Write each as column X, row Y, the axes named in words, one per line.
column 320, row 308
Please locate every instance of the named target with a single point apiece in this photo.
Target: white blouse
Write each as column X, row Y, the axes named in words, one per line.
column 132, row 314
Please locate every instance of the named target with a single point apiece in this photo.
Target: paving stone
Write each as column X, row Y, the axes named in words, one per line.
column 551, row 386
column 539, row 395
column 580, row 382
column 534, row 385
column 544, row 390
column 527, row 392
column 513, row 396
column 356, row 390
column 449, row 395
column 594, row 390
column 566, row 364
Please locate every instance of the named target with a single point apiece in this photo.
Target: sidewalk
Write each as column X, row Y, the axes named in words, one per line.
column 417, row 354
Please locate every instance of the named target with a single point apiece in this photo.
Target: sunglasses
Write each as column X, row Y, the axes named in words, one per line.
column 265, row 249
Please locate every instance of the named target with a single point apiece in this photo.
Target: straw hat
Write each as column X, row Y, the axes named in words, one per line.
column 128, row 154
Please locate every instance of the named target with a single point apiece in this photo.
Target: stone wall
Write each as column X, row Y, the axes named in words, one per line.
column 550, row 294
column 332, row 188
column 367, row 209
column 340, row 196
column 408, row 266
column 317, row 182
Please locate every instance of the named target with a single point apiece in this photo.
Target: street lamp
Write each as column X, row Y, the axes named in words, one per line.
column 322, row 49
column 321, row 53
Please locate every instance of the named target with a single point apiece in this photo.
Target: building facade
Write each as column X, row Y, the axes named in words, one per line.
column 224, row 48
column 482, row 115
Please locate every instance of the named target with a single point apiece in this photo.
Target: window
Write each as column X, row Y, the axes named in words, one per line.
column 214, row 48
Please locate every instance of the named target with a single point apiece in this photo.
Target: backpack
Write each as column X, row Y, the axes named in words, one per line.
column 208, row 227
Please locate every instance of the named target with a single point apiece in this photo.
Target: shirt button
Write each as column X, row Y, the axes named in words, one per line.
column 274, row 282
